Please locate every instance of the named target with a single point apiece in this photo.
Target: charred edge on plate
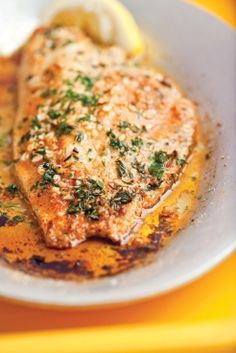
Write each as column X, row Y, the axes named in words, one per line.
column 129, row 255
column 78, row 267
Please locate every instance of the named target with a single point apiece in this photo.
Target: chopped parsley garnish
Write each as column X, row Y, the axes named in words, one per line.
column 35, row 186
column 161, row 157
column 12, row 189
column 49, row 92
column 68, row 82
column 79, row 137
column 5, row 220
column 121, row 198
column 110, row 133
column 87, row 198
column 97, row 183
column 137, row 142
column 121, row 168
column 93, row 214
column 180, row 162
column 49, row 173
column 139, row 167
column 68, row 42
column 25, row 138
column 41, row 150
column 18, row 219
column 53, row 45
column 85, row 117
column 100, row 184
column 86, row 81
column 124, row 174
column 87, row 101
column 69, row 110
column 71, row 95
column 35, row 124
column 157, row 168
column 64, row 129
column 74, row 208
column 116, row 143
column 123, row 125
column 54, row 114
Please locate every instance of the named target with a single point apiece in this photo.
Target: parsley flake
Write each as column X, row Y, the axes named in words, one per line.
column 87, row 198
column 25, row 138
column 121, row 198
column 157, row 168
column 35, row 124
column 54, row 114
column 85, row 117
column 87, row 101
column 137, row 142
column 64, row 129
column 12, row 189
column 86, row 81
column 49, row 173
column 180, row 162
column 18, row 219
column 79, row 137
column 49, row 92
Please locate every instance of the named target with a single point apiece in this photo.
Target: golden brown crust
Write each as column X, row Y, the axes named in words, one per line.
column 97, row 139
column 21, row 241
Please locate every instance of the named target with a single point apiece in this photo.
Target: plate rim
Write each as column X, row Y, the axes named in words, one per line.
column 150, row 291
column 138, row 297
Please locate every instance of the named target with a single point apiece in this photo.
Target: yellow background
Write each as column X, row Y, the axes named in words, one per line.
column 199, row 317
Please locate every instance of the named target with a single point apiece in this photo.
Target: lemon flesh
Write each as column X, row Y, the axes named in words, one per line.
column 106, row 21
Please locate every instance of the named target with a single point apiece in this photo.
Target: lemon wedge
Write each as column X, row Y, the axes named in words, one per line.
column 106, row 21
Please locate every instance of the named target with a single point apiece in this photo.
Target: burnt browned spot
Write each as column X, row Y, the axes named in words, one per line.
column 166, row 82
column 6, row 250
column 166, row 223
column 78, row 268
column 132, row 254
column 156, row 239
column 3, row 220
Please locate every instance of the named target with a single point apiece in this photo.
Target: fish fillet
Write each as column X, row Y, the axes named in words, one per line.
column 98, row 137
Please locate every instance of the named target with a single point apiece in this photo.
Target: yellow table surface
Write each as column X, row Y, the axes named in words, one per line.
column 199, row 317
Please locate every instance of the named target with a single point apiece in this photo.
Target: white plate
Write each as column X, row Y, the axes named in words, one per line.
column 199, row 51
